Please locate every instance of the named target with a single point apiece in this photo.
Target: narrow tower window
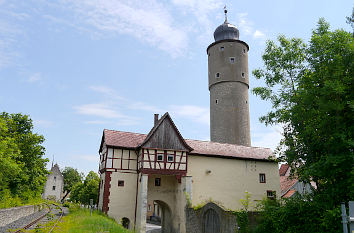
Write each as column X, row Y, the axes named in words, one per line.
column 217, row 75
column 222, row 48
column 244, row 50
column 216, row 101
column 243, row 75
column 157, row 181
column 232, row 60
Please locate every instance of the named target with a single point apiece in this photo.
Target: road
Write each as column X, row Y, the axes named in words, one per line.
column 152, row 228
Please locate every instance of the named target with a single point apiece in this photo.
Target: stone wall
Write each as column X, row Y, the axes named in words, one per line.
column 195, row 219
column 12, row 214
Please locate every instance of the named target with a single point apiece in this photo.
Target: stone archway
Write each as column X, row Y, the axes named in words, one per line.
column 166, row 217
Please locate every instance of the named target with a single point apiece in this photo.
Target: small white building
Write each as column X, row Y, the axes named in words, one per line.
column 55, row 183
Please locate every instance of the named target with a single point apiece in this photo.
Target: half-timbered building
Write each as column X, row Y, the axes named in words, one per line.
column 161, row 173
column 139, row 171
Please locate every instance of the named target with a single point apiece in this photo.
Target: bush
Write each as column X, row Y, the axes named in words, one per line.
column 297, row 214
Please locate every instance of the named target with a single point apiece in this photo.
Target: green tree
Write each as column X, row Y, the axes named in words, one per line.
column 21, row 152
column 71, row 178
column 83, row 192
column 311, row 91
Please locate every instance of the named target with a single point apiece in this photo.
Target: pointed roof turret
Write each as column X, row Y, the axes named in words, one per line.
column 226, row 30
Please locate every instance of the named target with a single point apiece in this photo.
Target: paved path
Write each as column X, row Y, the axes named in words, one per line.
column 152, row 228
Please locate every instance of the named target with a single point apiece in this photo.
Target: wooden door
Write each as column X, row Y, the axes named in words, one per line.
column 211, row 222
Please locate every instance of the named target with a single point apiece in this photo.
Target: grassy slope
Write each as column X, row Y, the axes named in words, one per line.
column 79, row 220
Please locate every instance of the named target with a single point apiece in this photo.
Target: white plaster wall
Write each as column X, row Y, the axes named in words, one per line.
column 58, row 183
column 122, row 199
column 229, row 179
column 100, row 197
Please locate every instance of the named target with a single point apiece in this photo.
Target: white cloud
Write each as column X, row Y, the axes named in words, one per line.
column 246, row 27
column 99, row 110
column 268, row 137
column 149, row 21
column 35, row 77
column 43, row 123
column 195, row 113
column 258, row 34
column 8, row 34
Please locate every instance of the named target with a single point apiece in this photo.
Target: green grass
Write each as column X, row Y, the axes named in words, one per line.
column 79, row 220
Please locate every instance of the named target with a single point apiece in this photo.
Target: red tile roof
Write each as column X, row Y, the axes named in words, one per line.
column 289, row 193
column 283, row 169
column 286, row 183
column 133, row 140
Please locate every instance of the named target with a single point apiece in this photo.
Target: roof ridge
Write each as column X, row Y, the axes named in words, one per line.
column 124, row 131
column 223, row 143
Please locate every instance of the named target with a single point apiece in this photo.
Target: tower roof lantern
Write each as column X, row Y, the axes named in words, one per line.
column 226, row 30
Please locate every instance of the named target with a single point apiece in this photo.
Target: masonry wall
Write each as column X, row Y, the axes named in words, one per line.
column 58, row 182
column 229, row 179
column 10, row 215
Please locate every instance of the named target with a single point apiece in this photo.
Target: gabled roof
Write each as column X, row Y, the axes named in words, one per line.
column 283, row 169
column 287, row 183
column 130, row 140
column 289, row 193
column 165, row 135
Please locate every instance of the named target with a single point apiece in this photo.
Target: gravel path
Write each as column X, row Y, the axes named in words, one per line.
column 23, row 221
column 152, row 228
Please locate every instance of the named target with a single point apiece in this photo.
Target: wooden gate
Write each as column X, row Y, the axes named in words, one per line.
column 211, row 222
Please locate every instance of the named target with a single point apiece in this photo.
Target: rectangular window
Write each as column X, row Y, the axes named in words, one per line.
column 149, row 208
column 121, row 183
column 270, row 194
column 159, row 157
column 55, row 178
column 232, row 60
column 262, row 178
column 157, row 181
column 222, row 48
column 169, row 158
column 53, row 188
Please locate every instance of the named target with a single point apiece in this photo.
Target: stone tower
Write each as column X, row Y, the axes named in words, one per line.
column 228, row 86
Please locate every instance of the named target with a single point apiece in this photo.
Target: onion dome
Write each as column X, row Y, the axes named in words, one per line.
column 226, row 31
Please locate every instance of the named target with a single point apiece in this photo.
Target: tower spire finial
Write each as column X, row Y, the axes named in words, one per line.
column 225, row 11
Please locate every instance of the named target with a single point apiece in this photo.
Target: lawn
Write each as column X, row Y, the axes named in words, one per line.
column 79, row 220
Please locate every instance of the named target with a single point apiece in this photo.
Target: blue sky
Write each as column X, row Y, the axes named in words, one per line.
column 79, row 66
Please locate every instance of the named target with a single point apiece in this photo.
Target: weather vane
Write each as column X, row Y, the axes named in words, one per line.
column 225, row 11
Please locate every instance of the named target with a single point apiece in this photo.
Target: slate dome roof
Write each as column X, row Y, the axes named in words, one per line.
column 226, row 31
